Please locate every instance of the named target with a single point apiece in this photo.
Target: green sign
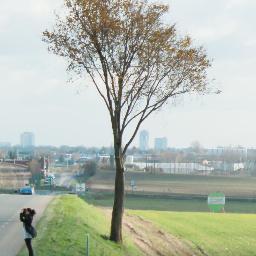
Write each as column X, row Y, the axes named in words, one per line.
column 216, row 201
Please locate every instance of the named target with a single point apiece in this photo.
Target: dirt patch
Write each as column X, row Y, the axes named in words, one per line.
column 153, row 241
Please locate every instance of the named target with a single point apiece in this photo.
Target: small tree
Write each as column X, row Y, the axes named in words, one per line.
column 89, row 169
column 136, row 63
column 35, row 168
column 196, row 147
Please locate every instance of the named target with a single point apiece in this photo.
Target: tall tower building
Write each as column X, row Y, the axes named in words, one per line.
column 27, row 139
column 161, row 143
column 144, row 137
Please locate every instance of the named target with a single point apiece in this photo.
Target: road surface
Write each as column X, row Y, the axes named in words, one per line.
column 11, row 230
column 64, row 179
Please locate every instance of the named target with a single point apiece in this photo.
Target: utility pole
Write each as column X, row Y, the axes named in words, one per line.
column 87, row 245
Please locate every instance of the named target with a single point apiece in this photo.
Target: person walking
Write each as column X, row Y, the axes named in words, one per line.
column 26, row 216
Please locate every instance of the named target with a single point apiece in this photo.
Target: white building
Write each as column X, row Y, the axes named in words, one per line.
column 238, row 152
column 129, row 159
column 27, row 139
column 144, row 138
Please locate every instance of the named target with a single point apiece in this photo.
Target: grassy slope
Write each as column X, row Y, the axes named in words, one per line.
column 62, row 231
column 215, row 234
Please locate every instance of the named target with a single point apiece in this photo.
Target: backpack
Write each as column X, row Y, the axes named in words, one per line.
column 32, row 231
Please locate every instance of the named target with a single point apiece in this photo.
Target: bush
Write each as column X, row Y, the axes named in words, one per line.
column 89, row 169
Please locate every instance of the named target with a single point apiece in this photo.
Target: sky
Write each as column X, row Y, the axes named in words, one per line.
column 36, row 96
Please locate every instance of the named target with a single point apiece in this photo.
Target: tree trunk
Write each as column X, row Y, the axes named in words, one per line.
column 118, row 207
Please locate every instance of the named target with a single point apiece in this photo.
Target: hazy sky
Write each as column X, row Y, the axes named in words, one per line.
column 35, row 95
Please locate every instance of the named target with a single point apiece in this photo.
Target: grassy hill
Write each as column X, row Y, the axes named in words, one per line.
column 213, row 234
column 63, row 229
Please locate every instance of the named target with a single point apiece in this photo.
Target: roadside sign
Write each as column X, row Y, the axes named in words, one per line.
column 216, row 201
column 80, row 187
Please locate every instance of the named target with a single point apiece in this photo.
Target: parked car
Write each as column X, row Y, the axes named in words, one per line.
column 27, row 190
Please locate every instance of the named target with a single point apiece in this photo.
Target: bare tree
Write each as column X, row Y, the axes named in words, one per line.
column 196, row 147
column 135, row 61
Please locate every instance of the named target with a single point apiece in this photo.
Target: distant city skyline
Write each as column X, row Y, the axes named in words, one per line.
column 35, row 94
column 153, row 143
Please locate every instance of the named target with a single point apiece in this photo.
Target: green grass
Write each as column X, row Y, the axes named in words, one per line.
column 63, row 228
column 164, row 203
column 215, row 234
column 62, row 231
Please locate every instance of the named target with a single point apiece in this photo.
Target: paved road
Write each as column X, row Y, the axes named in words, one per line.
column 11, row 231
column 64, row 179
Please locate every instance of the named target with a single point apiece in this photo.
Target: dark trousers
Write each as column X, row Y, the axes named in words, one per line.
column 29, row 246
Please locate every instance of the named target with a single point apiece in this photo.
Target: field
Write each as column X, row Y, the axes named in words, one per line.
column 148, row 183
column 166, row 203
column 13, row 180
column 168, row 192
column 146, row 232
column 13, row 176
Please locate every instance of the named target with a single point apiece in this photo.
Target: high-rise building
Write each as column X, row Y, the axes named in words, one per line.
column 161, row 143
column 144, row 137
column 27, row 139
column 5, row 144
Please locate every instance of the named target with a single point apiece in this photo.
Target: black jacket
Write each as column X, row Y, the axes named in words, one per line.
column 26, row 219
